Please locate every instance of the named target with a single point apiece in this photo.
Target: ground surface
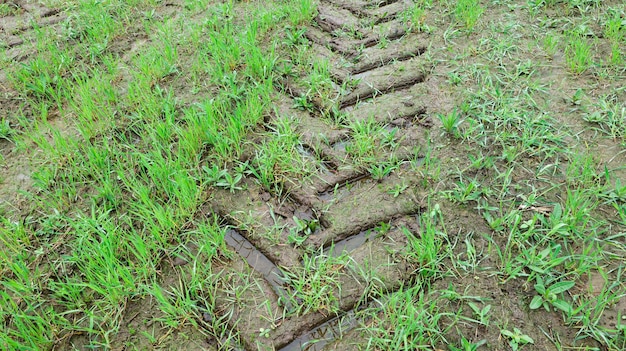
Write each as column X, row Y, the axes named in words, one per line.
column 382, row 175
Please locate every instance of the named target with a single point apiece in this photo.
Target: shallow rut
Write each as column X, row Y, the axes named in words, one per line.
column 368, row 45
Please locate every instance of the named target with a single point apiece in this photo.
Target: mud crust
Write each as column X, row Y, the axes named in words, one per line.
column 342, row 197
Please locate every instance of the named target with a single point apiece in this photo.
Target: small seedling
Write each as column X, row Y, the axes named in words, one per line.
column 452, row 295
column 578, row 96
column 303, row 103
column 610, row 116
column 451, row 122
column 482, row 314
column 425, row 249
column 229, row 182
column 8, row 9
column 466, row 192
column 481, row 162
column 295, row 37
column 264, row 333
column 549, row 295
column 6, row 132
column 314, row 282
column 616, row 194
column 222, row 179
column 510, row 153
column 303, row 229
column 382, row 170
column 517, row 338
column 389, row 138
column 383, row 42
column 383, row 228
column 550, row 43
column 397, row 189
column 467, row 345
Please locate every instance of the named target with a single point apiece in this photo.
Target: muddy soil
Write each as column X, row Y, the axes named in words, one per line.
column 402, row 84
column 395, row 85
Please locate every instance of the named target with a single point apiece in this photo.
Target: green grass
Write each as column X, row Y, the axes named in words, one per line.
column 7, row 9
column 278, row 162
column 578, row 53
column 409, row 318
column 372, row 141
column 467, row 13
column 129, row 118
column 127, row 187
column 316, row 284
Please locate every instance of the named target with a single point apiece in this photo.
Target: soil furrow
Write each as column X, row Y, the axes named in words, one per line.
column 393, row 33
column 295, row 90
column 385, row 58
column 379, row 3
column 333, row 19
column 254, row 257
column 328, row 331
column 369, row 90
column 257, row 220
column 357, row 8
column 391, row 108
column 260, row 175
column 364, row 205
column 318, row 37
column 377, row 258
column 338, row 73
column 247, row 301
column 389, row 12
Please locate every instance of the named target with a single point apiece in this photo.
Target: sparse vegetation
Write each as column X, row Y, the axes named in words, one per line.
column 442, row 174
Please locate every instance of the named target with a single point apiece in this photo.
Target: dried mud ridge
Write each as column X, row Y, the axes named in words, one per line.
column 16, row 30
column 18, row 39
column 342, row 198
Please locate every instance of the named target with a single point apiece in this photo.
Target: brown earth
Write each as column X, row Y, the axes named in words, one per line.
column 402, row 84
